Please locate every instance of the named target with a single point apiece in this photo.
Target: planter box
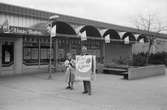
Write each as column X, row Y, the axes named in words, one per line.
column 146, row 71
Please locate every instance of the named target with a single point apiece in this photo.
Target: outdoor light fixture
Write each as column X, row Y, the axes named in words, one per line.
column 51, row 19
column 54, row 17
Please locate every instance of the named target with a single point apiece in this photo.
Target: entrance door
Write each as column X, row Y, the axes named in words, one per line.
column 7, row 53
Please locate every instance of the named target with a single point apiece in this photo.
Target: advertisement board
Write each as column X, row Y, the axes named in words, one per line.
column 85, row 67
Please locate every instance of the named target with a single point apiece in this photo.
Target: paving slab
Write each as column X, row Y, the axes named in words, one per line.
column 109, row 92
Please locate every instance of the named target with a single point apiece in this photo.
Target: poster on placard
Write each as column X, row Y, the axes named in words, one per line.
column 85, row 67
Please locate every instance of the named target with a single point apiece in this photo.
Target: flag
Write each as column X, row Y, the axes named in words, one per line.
column 153, row 49
column 5, row 26
column 154, row 45
column 48, row 28
column 126, row 40
column 141, row 40
column 53, row 31
column 83, row 35
column 107, row 38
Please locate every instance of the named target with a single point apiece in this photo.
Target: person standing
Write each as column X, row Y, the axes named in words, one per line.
column 86, row 83
column 70, row 69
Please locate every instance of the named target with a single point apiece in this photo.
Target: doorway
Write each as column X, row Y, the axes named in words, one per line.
column 7, row 53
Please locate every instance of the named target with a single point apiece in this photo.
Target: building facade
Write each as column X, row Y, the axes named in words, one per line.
column 25, row 40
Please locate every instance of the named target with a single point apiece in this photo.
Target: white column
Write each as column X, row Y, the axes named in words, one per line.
column 104, row 52
column 18, row 55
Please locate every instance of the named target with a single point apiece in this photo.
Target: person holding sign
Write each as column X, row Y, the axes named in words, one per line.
column 85, row 69
column 70, row 69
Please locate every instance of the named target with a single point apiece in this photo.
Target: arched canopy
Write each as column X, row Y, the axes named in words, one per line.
column 130, row 35
column 90, row 31
column 61, row 27
column 64, row 28
column 142, row 36
column 113, row 34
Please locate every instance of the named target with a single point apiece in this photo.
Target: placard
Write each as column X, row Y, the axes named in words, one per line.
column 85, row 67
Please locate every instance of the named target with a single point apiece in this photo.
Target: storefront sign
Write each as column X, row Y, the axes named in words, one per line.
column 21, row 30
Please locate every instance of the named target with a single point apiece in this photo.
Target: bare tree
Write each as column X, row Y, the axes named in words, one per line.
column 150, row 23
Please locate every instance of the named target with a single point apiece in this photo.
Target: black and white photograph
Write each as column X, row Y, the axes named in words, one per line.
column 83, row 55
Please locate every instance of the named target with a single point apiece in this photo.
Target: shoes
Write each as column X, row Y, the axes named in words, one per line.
column 68, row 87
column 84, row 92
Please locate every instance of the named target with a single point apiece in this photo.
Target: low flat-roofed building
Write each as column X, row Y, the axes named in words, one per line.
column 25, row 40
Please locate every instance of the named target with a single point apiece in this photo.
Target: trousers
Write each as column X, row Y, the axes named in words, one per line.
column 87, row 87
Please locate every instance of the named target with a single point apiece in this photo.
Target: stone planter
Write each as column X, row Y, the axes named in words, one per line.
column 145, row 71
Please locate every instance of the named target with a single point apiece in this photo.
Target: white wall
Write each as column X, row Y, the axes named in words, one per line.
column 21, row 21
column 18, row 55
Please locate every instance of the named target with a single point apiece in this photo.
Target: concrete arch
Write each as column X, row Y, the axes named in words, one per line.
column 121, row 34
column 90, row 31
column 102, row 31
column 144, row 37
column 61, row 27
column 64, row 28
column 130, row 35
column 113, row 34
column 78, row 28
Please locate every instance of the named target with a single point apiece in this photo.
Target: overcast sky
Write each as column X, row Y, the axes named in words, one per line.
column 121, row 12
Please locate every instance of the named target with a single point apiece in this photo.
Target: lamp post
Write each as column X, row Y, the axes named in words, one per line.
column 51, row 19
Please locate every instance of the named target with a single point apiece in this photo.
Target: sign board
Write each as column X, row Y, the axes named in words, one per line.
column 53, row 31
column 107, row 38
column 83, row 36
column 21, row 30
column 85, row 67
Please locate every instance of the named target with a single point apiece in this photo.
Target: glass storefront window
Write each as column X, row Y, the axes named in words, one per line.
column 75, row 46
column 36, row 52
column 62, row 47
column 30, row 53
column 45, row 55
column 94, row 48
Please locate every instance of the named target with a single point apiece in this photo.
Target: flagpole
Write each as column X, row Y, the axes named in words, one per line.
column 52, row 18
column 50, row 57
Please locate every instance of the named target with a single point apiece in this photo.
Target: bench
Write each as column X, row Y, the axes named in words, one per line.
column 117, row 71
column 132, row 72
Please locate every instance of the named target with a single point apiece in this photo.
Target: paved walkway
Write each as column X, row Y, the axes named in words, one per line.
column 110, row 92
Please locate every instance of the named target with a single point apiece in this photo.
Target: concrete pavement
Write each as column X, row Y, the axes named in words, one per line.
column 110, row 92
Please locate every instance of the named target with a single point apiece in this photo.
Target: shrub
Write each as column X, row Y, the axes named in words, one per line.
column 157, row 58
column 139, row 59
